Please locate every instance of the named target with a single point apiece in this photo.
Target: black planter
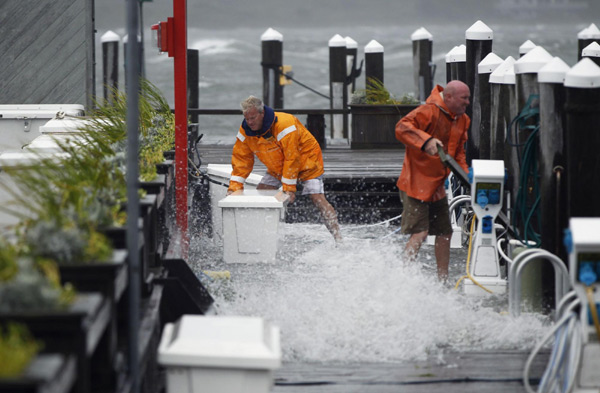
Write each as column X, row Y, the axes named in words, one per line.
column 373, row 126
column 109, row 278
column 46, row 373
column 76, row 331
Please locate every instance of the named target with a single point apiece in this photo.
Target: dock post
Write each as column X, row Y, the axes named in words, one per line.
column 373, row 62
column 527, row 91
column 582, row 84
column 422, row 46
column 484, row 69
column 272, row 61
column 337, row 86
column 479, row 43
column 503, row 110
column 592, row 51
column 456, row 64
column 351, row 60
column 110, row 65
column 585, row 37
column 526, row 47
column 552, row 145
column 193, row 80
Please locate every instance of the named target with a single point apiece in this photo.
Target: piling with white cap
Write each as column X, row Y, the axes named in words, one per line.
column 456, row 64
column 502, row 92
column 484, row 69
column 479, row 43
column 337, row 85
column 110, row 65
column 373, row 62
column 585, row 37
column 272, row 61
column 592, row 51
column 582, row 83
column 526, row 47
column 352, row 71
column 552, row 146
column 422, row 45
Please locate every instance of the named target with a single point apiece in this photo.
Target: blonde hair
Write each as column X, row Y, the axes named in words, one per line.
column 252, row 102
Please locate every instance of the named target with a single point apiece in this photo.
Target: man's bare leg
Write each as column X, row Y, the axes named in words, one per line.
column 329, row 215
column 414, row 245
column 442, row 256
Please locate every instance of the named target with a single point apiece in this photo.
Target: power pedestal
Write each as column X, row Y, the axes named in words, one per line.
column 487, row 187
column 583, row 244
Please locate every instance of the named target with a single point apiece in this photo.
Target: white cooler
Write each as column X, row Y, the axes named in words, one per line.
column 219, row 354
column 220, row 174
column 251, row 225
column 20, row 124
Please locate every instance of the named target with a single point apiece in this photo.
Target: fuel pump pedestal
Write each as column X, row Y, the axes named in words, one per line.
column 487, row 188
column 583, row 245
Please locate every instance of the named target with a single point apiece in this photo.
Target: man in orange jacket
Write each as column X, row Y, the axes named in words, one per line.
column 288, row 150
column 440, row 122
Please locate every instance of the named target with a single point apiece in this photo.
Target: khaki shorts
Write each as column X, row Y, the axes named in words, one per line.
column 419, row 216
column 310, row 186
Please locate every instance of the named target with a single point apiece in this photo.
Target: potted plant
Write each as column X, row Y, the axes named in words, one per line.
column 375, row 113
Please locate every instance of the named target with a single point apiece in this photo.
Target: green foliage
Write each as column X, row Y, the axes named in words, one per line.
column 17, row 349
column 377, row 94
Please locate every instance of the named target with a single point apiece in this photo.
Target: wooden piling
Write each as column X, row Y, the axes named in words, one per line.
column 592, row 51
column 193, row 79
column 503, row 110
column 110, row 65
column 527, row 95
column 582, row 84
column 272, row 61
column 422, row 45
column 552, row 158
column 456, row 64
column 585, row 37
column 479, row 43
column 351, row 61
column 483, row 109
column 526, row 47
column 337, row 85
column 373, row 62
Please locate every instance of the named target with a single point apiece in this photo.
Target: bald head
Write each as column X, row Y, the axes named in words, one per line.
column 456, row 97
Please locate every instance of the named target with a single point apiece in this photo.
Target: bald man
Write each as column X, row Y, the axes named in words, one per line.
column 440, row 122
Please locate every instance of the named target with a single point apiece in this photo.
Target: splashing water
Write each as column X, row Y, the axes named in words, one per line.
column 360, row 302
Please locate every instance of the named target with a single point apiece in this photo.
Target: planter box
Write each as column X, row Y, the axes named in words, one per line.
column 46, row 373
column 373, row 126
column 76, row 330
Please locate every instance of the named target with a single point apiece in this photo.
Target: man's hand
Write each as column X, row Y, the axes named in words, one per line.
column 291, row 195
column 431, row 147
column 229, row 192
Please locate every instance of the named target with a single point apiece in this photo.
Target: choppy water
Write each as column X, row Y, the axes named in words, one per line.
column 360, row 302
column 230, row 60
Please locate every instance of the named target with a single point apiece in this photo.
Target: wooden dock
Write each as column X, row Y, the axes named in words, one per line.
column 359, row 184
column 477, row 372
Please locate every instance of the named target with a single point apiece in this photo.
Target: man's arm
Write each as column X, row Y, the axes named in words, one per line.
column 411, row 129
column 242, row 162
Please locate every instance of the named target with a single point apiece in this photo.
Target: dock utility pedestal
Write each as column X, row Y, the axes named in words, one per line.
column 251, row 225
column 220, row 354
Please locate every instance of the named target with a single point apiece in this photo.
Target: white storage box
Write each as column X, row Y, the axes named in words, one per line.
column 20, row 124
column 65, row 125
column 251, row 225
column 220, row 174
column 219, row 354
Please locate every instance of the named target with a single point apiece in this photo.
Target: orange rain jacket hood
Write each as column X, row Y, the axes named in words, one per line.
column 423, row 175
column 284, row 145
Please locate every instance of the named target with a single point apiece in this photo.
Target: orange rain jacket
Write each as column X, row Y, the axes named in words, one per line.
column 422, row 175
column 284, row 145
